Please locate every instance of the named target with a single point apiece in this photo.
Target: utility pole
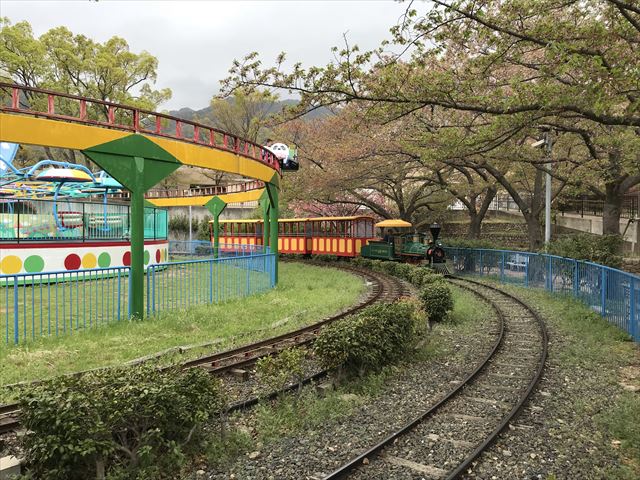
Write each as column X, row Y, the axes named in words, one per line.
column 548, row 145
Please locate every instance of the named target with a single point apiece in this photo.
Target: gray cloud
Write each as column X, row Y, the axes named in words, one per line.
column 196, row 41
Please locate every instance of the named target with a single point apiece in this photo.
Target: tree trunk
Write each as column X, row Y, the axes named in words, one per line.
column 612, row 210
column 534, row 231
column 475, row 225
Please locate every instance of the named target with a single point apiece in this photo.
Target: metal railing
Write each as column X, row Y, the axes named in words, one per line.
column 49, row 220
column 62, row 303
column 204, row 248
column 612, row 293
column 630, row 207
column 89, row 111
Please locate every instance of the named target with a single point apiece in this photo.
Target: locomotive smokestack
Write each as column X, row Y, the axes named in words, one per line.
column 435, row 231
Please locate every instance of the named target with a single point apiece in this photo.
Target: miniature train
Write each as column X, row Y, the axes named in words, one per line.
column 340, row 236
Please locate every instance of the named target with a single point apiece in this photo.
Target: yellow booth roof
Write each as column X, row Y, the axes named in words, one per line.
column 393, row 223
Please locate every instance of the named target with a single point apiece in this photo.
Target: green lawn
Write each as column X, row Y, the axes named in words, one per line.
column 304, row 294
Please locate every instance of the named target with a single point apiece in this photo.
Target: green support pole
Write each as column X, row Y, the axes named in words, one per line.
column 216, row 207
column 137, row 247
column 216, row 235
column 265, row 222
column 138, row 164
column 272, row 190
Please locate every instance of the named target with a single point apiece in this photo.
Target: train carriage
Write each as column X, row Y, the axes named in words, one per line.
column 238, row 232
column 340, row 236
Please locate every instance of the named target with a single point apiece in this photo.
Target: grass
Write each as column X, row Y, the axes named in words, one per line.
column 598, row 353
column 301, row 413
column 304, row 295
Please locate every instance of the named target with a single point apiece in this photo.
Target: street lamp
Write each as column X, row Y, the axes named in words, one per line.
column 546, row 142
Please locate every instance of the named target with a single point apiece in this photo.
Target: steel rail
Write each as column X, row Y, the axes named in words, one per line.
column 350, row 466
column 250, row 353
column 515, row 411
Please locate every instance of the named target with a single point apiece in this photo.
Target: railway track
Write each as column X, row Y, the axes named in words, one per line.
column 383, row 288
column 445, row 440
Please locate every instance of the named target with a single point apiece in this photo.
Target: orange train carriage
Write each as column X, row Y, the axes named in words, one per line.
column 340, row 236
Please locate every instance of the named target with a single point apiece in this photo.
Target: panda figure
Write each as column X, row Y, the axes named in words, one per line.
column 283, row 154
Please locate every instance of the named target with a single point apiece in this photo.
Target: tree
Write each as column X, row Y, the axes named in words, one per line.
column 61, row 61
column 528, row 63
column 363, row 166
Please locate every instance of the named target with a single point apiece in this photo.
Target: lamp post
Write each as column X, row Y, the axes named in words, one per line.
column 548, row 145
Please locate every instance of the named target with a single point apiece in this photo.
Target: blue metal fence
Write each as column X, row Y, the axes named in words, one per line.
column 60, row 303
column 204, row 248
column 612, row 293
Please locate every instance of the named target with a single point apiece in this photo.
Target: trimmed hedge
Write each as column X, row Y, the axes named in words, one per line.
column 365, row 342
column 437, row 300
column 132, row 423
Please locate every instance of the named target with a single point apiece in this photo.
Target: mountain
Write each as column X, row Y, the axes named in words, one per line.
column 187, row 113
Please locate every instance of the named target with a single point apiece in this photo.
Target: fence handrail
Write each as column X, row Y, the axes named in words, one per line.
column 548, row 255
column 613, row 293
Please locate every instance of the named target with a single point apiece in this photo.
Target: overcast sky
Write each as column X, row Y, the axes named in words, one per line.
column 196, row 41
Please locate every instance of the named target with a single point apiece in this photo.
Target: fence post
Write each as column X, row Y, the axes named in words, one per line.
column 210, row 281
column 576, row 290
column 246, row 265
column 633, row 321
column 526, row 271
column 603, row 292
column 119, row 294
column 502, row 268
column 549, row 275
column 148, row 282
column 480, row 262
column 16, row 325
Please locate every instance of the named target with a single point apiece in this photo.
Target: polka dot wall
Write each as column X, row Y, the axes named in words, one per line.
column 37, row 259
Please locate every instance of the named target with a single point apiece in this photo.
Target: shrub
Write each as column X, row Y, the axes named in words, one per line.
column 436, row 300
column 369, row 340
column 429, row 277
column 389, row 267
column 603, row 249
column 404, row 270
column 376, row 265
column 275, row 371
column 202, row 228
column 133, row 422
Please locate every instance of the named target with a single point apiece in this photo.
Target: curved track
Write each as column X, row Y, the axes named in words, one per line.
column 445, row 440
column 384, row 288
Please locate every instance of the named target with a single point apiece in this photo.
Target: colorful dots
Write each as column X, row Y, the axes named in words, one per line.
column 147, row 257
column 10, row 264
column 34, row 264
column 72, row 262
column 89, row 261
column 104, row 260
column 158, row 256
column 126, row 259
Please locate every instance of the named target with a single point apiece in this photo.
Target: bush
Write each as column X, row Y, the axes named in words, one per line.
column 429, row 277
column 436, row 300
column 202, row 228
column 126, row 423
column 603, row 249
column 376, row 265
column 404, row 270
column 276, row 371
column 416, row 276
column 366, row 342
column 389, row 267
